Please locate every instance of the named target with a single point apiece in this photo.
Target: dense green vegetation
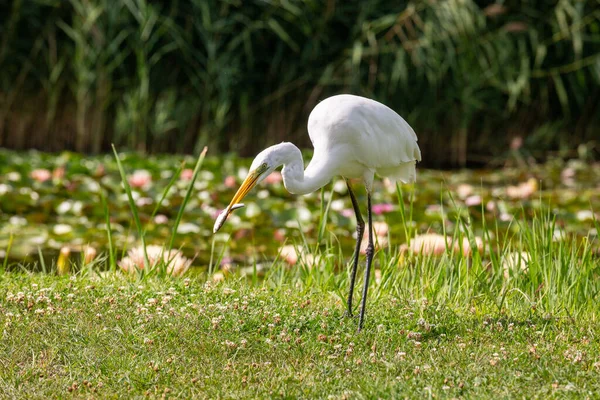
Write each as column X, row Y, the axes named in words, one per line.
column 174, row 76
column 485, row 283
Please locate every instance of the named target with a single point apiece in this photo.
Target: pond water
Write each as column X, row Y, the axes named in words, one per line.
column 53, row 201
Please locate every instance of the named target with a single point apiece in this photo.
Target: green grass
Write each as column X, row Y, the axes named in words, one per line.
column 451, row 325
column 444, row 327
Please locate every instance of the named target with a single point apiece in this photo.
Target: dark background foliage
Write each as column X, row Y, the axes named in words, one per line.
column 472, row 77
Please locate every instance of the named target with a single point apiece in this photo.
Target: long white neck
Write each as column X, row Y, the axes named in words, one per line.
column 297, row 180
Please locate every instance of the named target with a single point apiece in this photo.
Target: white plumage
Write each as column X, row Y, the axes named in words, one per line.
column 353, row 137
column 360, row 137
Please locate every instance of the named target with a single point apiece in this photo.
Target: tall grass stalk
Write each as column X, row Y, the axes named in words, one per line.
column 42, row 261
column 174, row 178
column 406, row 219
column 111, row 247
column 132, row 207
column 7, row 254
column 324, row 213
column 188, row 194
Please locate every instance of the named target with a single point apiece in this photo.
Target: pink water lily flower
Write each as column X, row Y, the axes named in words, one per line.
column 176, row 263
column 464, row 190
column 473, row 200
column 186, row 174
column 161, row 219
column 380, row 236
column 292, row 254
column 289, row 253
column 274, row 177
column 347, row 212
column 41, row 175
column 58, row 172
column 435, row 244
column 279, row 235
column 379, row 209
column 140, row 179
column 230, row 182
column 89, row 254
column 524, row 190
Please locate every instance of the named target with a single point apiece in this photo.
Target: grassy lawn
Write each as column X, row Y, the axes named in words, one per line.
column 505, row 304
column 93, row 337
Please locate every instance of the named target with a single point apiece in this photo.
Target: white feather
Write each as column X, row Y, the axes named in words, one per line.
column 359, row 137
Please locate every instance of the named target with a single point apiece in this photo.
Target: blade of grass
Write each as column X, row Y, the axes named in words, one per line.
column 8, row 247
column 219, row 259
column 188, row 194
column 42, row 262
column 111, row 248
column 132, row 206
column 212, row 253
column 324, row 213
column 407, row 230
column 167, row 188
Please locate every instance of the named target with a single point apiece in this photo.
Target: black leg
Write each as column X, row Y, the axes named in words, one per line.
column 370, row 251
column 360, row 230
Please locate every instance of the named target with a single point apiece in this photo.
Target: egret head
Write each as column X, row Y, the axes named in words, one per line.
column 262, row 166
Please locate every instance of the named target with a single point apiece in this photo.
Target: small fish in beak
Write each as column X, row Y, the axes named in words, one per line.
column 224, row 214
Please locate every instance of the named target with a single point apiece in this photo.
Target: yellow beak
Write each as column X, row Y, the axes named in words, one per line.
column 246, row 186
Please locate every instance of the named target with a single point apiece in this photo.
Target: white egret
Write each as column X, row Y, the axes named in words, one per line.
column 353, row 137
